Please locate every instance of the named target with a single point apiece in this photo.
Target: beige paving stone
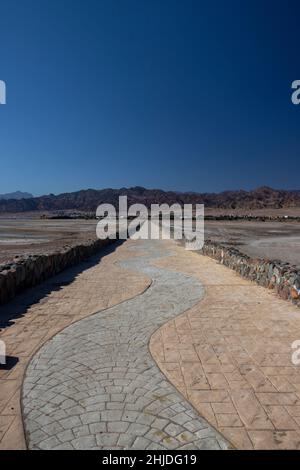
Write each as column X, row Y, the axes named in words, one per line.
column 205, row 410
column 14, row 437
column 275, row 440
column 209, row 396
column 38, row 314
column 5, row 423
column 194, row 376
column 293, row 410
column 223, row 408
column 229, row 419
column 217, row 381
column 174, row 374
column 278, row 398
column 7, row 390
column 238, row 436
column 281, row 418
column 250, row 410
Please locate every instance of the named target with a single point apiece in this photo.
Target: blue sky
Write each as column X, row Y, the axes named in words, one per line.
column 185, row 95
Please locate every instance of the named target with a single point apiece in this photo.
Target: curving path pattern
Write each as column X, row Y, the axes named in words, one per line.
column 95, row 385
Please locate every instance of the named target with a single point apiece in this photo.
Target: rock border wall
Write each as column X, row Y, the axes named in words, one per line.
column 28, row 271
column 282, row 277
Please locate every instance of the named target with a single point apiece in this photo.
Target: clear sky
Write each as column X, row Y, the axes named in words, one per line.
column 186, row 95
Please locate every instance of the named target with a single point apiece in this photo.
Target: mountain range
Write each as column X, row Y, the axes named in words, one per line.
column 88, row 200
column 16, row 195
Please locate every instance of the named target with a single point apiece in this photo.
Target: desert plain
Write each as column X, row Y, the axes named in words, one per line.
column 30, row 234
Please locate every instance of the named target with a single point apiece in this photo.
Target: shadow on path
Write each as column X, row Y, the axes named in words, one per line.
column 18, row 307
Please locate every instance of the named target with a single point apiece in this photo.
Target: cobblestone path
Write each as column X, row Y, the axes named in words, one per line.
column 95, row 385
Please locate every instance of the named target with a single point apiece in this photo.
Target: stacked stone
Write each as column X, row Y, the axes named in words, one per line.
column 28, row 271
column 282, row 277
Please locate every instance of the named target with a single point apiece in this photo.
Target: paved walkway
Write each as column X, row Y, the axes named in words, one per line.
column 35, row 316
column 226, row 350
column 230, row 356
column 95, row 384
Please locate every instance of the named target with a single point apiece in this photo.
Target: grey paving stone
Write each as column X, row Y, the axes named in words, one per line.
column 173, row 429
column 138, row 429
column 144, row 418
column 170, row 443
column 64, row 446
column 96, row 428
column 38, row 436
column 140, row 443
column 111, row 415
column 120, row 397
column 130, row 416
column 115, row 406
column 84, row 442
column 156, row 446
column 206, row 432
column 71, row 422
column 126, row 441
column 195, row 425
column 187, row 447
column 98, row 407
column 107, row 440
column 156, row 435
column 76, row 410
column 53, row 428
column 118, row 426
column 49, row 443
column 181, row 418
column 44, row 420
column 208, row 444
column 83, row 430
column 90, row 417
column 185, row 437
column 160, row 423
column 65, row 436
column 33, row 425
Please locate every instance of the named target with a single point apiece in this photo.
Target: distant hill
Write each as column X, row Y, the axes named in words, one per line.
column 16, row 195
column 89, row 199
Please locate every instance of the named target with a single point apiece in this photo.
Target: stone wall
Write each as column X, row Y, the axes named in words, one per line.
column 28, row 271
column 282, row 277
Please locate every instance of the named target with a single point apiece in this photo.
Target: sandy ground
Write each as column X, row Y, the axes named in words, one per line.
column 21, row 236
column 273, row 240
column 290, row 211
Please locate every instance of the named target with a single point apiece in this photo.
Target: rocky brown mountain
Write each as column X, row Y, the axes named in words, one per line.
column 16, row 195
column 89, row 199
